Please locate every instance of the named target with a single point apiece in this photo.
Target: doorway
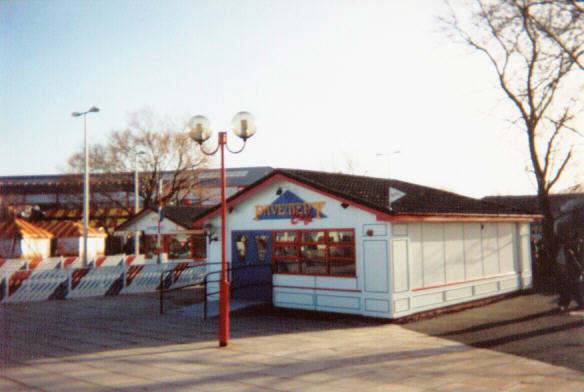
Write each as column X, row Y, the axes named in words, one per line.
column 251, row 277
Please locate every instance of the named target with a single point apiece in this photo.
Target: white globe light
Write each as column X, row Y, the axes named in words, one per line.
column 243, row 125
column 199, row 129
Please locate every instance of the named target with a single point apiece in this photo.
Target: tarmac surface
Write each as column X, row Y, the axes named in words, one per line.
column 123, row 343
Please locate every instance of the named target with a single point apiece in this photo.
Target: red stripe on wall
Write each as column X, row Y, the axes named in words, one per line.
column 464, row 281
column 318, row 288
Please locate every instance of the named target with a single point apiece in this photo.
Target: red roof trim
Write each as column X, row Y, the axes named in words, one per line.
column 458, row 218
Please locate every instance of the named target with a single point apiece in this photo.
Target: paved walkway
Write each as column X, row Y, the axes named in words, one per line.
column 121, row 343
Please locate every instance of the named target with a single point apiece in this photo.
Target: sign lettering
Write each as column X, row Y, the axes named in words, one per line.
column 290, row 206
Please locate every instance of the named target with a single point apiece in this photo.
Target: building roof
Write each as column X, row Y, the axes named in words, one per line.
column 181, row 215
column 238, row 177
column 19, row 228
column 529, row 203
column 64, row 229
column 373, row 193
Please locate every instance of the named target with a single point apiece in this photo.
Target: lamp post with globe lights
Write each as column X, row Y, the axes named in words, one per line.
column 243, row 125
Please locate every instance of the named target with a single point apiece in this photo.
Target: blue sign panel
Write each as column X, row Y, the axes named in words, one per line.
column 290, row 206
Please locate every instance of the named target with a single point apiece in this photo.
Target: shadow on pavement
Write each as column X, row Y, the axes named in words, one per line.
column 530, row 326
column 82, row 326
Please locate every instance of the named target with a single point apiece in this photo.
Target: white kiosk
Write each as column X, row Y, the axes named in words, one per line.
column 331, row 242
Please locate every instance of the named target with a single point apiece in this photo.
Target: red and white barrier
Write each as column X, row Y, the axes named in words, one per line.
column 62, row 278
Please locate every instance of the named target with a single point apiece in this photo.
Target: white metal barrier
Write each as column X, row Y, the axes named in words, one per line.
column 62, row 278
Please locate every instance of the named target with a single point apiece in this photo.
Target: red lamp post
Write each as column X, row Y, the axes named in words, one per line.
column 243, row 125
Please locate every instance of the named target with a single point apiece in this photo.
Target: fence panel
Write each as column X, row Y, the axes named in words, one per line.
column 143, row 278
column 191, row 275
column 37, row 285
column 11, row 265
column 24, row 280
column 94, row 282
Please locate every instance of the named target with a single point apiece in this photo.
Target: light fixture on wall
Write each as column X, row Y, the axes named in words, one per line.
column 210, row 232
column 345, row 205
column 279, row 191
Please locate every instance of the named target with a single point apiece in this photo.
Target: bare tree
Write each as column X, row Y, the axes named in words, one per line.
column 536, row 49
column 159, row 149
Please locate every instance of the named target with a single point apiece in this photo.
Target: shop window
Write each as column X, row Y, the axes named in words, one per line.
column 285, row 236
column 315, row 252
column 150, row 242
column 179, row 247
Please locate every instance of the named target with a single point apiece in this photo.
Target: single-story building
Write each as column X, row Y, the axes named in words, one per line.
column 68, row 238
column 178, row 239
column 22, row 239
column 367, row 246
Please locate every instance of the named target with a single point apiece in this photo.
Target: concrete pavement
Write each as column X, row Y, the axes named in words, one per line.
column 121, row 343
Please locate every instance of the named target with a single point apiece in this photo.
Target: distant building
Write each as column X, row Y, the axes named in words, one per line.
column 179, row 240
column 59, row 198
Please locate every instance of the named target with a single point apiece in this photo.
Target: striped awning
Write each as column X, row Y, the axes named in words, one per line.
column 19, row 228
column 65, row 228
column 108, row 217
column 94, row 213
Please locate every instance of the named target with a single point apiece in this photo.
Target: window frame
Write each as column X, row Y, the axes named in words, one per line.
column 299, row 242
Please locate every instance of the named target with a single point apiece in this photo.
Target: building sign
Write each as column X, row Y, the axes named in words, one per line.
column 290, row 206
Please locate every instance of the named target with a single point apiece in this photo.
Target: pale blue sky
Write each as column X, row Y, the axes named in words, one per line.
column 326, row 80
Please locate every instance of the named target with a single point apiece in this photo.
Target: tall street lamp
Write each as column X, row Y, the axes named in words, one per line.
column 93, row 109
column 243, row 125
column 137, row 200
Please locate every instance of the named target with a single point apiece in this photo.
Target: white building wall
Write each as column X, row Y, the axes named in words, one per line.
column 148, row 224
column 472, row 261
column 95, row 246
column 36, row 247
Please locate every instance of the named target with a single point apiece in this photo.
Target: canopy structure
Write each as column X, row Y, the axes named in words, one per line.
column 68, row 238
column 19, row 238
column 64, row 229
column 20, row 228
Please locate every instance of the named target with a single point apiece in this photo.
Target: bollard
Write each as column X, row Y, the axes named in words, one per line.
column 161, row 288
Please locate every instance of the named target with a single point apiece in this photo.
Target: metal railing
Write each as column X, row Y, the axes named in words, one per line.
column 165, row 286
column 232, row 287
